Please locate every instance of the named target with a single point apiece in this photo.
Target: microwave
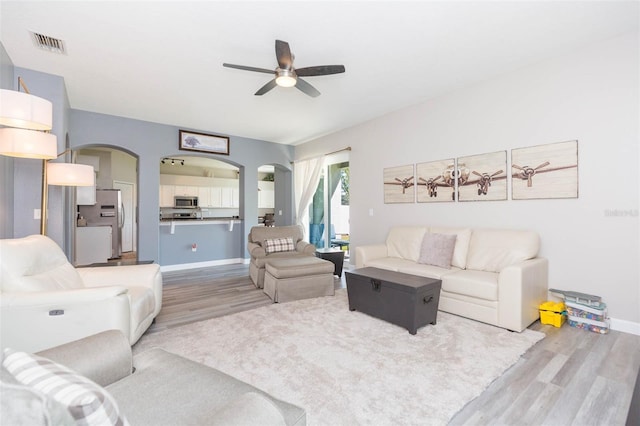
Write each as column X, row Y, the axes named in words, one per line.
column 185, row 202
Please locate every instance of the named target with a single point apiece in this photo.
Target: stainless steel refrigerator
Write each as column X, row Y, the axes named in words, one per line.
column 107, row 211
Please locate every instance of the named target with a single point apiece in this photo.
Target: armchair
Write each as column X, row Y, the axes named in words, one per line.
column 259, row 256
column 45, row 301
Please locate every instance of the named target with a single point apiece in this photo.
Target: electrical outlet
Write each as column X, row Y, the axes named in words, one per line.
column 279, row 212
column 36, row 213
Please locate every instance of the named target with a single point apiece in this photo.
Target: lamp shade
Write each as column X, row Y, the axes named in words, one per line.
column 27, row 143
column 23, row 110
column 67, row 174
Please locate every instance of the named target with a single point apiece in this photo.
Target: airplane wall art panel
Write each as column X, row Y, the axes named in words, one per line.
column 435, row 182
column 482, row 177
column 545, row 171
column 399, row 184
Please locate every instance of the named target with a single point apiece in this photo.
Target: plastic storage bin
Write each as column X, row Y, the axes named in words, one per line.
column 552, row 313
column 601, row 327
column 596, row 313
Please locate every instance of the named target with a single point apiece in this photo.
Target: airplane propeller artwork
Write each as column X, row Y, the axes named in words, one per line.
column 484, row 181
column 432, row 186
column 526, row 172
column 406, row 183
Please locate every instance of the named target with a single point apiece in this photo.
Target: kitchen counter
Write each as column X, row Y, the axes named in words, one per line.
column 227, row 221
column 206, row 220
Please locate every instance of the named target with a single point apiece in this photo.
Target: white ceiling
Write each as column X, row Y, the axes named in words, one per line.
column 162, row 61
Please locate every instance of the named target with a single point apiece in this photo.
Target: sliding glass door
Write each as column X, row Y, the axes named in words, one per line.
column 329, row 209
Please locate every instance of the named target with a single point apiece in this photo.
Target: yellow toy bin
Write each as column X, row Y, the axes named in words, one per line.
column 552, row 313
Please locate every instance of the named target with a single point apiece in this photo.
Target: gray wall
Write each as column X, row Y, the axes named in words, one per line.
column 283, row 198
column 24, row 176
column 150, row 142
column 591, row 95
column 214, row 243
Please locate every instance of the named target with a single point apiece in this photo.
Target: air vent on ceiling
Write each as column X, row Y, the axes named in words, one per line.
column 53, row 45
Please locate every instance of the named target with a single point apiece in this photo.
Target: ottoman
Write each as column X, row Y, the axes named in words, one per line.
column 298, row 278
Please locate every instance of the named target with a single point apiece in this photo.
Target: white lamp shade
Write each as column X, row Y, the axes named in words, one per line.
column 23, row 110
column 27, row 144
column 67, row 174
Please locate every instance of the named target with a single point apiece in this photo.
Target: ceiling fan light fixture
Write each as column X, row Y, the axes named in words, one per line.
column 285, row 78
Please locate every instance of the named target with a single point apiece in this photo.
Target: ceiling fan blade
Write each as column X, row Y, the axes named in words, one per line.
column 307, row 88
column 264, row 89
column 320, row 70
column 283, row 53
column 243, row 67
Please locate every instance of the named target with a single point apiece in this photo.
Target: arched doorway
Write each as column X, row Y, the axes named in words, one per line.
column 106, row 215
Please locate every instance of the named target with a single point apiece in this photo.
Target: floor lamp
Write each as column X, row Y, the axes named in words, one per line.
column 28, row 120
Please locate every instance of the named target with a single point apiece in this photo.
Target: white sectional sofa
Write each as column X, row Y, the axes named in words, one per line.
column 495, row 275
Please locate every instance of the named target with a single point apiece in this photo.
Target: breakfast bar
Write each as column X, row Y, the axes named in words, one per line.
column 205, row 242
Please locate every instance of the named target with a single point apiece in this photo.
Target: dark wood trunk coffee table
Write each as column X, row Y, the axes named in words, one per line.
column 409, row 301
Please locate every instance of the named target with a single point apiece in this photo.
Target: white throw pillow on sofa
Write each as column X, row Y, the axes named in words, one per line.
column 404, row 242
column 437, row 250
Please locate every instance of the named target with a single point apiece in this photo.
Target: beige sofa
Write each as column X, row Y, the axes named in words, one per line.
column 495, row 275
column 259, row 255
column 153, row 388
column 45, row 301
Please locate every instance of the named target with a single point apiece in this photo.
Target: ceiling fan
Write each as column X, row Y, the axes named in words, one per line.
column 288, row 76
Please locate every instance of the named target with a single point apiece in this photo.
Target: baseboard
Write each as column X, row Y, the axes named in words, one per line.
column 182, row 266
column 625, row 326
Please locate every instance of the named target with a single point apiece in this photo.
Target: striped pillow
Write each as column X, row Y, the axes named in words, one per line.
column 274, row 245
column 88, row 403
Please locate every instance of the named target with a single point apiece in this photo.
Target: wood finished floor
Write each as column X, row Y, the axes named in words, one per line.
column 571, row 377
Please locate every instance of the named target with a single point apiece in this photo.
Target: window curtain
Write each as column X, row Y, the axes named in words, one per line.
column 306, row 177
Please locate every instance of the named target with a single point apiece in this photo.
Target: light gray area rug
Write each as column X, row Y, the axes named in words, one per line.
column 347, row 368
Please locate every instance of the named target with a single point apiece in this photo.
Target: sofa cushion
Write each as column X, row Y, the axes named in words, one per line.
column 390, row 263
column 493, row 250
column 429, row 271
column 463, row 236
column 142, row 303
column 149, row 396
column 437, row 249
column 260, row 233
column 274, row 245
column 405, row 241
column 260, row 262
column 250, row 408
column 478, row 284
column 298, row 267
column 87, row 402
column 36, row 263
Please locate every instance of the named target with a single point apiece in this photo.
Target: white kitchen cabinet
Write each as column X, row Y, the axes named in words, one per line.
column 216, row 196
column 211, row 192
column 191, row 191
column 204, row 196
column 93, row 244
column 227, row 197
column 167, row 192
column 236, row 197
